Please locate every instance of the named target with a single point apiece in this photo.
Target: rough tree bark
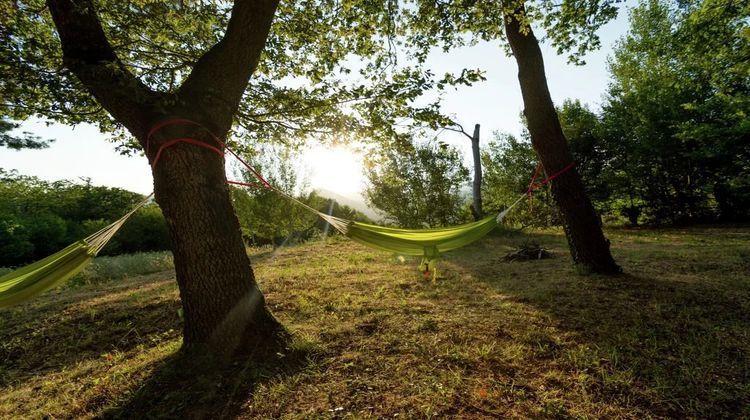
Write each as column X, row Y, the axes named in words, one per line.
column 224, row 311
column 476, row 190
column 588, row 246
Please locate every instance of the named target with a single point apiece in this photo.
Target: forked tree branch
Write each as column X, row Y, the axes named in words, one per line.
column 221, row 75
column 89, row 55
column 213, row 89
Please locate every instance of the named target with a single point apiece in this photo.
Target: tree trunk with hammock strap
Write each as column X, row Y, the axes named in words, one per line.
column 223, row 308
column 582, row 225
column 224, row 311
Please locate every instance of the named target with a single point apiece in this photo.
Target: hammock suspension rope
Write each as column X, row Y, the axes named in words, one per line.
column 25, row 282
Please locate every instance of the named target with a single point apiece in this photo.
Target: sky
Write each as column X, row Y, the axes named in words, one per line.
column 83, row 152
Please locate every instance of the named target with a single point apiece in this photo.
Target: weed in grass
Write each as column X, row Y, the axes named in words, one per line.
column 486, row 351
column 542, row 343
column 428, row 326
column 303, row 344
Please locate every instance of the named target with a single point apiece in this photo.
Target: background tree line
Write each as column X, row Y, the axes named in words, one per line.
column 670, row 145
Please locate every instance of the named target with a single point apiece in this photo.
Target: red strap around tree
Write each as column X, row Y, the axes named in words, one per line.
column 183, row 121
column 532, row 187
column 184, row 140
column 535, row 186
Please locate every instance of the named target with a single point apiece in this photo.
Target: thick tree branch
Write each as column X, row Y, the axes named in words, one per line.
column 221, row 75
column 89, row 55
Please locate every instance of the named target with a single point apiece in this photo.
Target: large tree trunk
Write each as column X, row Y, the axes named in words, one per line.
column 476, row 190
column 224, row 311
column 582, row 225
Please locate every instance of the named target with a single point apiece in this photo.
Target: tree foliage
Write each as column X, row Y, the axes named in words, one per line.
column 509, row 164
column 570, row 26
column 25, row 141
column 419, row 186
column 264, row 214
column 676, row 118
column 306, row 84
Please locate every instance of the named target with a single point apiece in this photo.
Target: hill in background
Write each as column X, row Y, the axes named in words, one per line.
column 355, row 201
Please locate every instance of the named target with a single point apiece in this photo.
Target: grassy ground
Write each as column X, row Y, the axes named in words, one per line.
column 489, row 339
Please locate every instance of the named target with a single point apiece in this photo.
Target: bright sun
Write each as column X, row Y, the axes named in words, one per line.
column 335, row 168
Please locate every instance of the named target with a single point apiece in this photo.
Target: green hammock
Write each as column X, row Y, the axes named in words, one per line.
column 22, row 284
column 426, row 243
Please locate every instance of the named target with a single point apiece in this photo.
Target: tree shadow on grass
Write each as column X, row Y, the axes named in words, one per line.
column 183, row 387
column 58, row 330
column 670, row 346
column 107, row 341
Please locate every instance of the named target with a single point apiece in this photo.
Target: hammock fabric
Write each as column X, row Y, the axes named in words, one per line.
column 426, row 243
column 22, row 284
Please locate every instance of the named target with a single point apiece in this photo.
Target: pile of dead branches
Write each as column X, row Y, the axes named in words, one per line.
column 528, row 251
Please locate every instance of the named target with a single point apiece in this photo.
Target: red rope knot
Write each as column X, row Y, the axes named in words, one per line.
column 533, row 186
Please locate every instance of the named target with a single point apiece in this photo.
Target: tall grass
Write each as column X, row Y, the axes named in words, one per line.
column 118, row 267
